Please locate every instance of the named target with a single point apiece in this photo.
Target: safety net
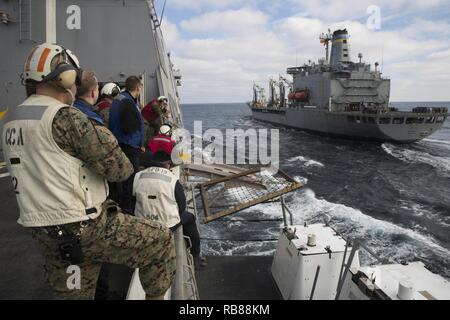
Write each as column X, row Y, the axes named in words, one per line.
column 224, row 196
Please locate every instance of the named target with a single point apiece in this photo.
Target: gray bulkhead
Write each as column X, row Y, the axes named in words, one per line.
column 17, row 38
column 115, row 38
column 362, row 87
column 318, row 85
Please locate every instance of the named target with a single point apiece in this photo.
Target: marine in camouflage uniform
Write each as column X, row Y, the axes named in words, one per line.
column 59, row 159
column 104, row 113
column 113, row 237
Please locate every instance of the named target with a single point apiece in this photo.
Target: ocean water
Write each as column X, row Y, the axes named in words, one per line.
column 395, row 198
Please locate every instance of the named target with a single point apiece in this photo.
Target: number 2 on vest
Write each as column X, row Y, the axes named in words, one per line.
column 15, row 184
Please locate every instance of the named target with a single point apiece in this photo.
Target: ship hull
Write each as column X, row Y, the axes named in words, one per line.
column 352, row 125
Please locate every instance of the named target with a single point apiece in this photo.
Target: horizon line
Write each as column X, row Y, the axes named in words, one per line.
column 421, row 101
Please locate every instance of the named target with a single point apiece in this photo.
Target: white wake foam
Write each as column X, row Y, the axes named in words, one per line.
column 435, row 141
column 420, row 211
column 301, row 180
column 355, row 224
column 387, row 239
column 306, row 162
column 412, row 156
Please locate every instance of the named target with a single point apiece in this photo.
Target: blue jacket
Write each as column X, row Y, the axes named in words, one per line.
column 134, row 139
column 86, row 108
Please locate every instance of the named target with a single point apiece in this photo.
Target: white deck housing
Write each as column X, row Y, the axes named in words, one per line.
column 390, row 279
column 295, row 263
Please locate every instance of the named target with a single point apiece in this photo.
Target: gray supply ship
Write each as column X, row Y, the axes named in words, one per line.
column 340, row 97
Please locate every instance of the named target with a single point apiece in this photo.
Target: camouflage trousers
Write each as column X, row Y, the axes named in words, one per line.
column 112, row 238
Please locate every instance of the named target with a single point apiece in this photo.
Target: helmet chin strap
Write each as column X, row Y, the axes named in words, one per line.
column 59, row 88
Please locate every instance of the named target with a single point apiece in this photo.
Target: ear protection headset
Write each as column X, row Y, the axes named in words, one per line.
column 38, row 66
column 110, row 89
column 66, row 73
column 115, row 91
column 166, row 129
column 65, row 76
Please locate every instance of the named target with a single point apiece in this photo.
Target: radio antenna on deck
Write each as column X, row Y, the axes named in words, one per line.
column 162, row 12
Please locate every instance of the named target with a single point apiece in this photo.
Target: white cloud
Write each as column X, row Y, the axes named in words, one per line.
column 234, row 21
column 224, row 69
column 395, row 44
column 440, row 55
column 425, row 29
column 202, row 4
column 171, row 34
column 422, row 80
column 344, row 9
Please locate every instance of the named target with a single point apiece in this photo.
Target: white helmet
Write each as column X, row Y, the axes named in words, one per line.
column 165, row 130
column 162, row 98
column 110, row 89
column 38, row 66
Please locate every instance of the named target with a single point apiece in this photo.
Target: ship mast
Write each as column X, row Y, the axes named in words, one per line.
column 259, row 96
column 272, row 92
column 283, row 82
column 325, row 39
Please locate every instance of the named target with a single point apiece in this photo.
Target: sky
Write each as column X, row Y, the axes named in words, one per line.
column 223, row 46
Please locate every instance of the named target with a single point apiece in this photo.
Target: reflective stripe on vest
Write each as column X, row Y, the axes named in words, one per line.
column 155, row 176
column 162, row 139
column 23, row 113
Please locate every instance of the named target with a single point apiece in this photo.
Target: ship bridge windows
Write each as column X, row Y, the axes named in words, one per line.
column 358, row 119
column 398, row 121
column 440, row 119
column 384, row 121
column 430, row 120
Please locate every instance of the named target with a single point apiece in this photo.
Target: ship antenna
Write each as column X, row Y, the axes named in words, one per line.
column 382, row 59
column 325, row 40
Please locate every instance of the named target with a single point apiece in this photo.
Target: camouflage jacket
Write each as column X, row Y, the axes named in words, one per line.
column 92, row 143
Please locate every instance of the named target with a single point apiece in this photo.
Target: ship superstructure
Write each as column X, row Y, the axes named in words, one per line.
column 337, row 96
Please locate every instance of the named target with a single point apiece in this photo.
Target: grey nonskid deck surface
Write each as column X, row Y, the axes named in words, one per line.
column 21, row 263
column 22, row 272
column 237, row 278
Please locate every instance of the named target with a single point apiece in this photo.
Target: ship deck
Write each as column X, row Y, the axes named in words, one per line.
column 237, row 278
column 22, row 273
column 398, row 113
